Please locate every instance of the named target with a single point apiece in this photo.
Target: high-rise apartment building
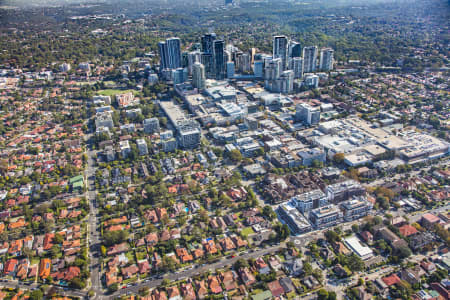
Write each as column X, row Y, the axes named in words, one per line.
column 198, row 76
column 326, row 59
column 273, row 69
column 174, row 52
column 162, row 47
column 219, row 59
column 208, row 61
column 295, row 50
column 309, row 59
column 297, row 67
column 170, row 53
column 280, row 49
column 207, row 43
column 193, row 57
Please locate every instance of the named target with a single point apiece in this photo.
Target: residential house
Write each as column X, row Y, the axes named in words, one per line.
column 45, row 268
column 287, row 284
column 184, row 255
column 246, row 276
column 210, row 246
column 227, row 244
column 144, row 266
column 201, row 289
column 391, row 238
column 275, row 288
column 262, row 266
column 118, row 248
column 130, row 271
column 187, row 291
column 173, row 293
column 151, row 239
column 311, row 282
column 10, row 267
column 214, row 285
column 367, row 237
column 407, row 230
column 391, row 280
column 158, row 295
column 275, row 263
column 228, row 279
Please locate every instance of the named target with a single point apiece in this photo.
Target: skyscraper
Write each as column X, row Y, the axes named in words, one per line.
column 162, row 47
column 174, row 53
column 280, row 50
column 219, row 59
column 207, row 61
column 326, row 59
column 170, row 53
column 193, row 57
column 207, row 43
column 295, row 50
column 198, row 76
column 309, row 59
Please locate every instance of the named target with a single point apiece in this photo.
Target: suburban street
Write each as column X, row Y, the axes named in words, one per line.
column 64, row 292
column 201, row 269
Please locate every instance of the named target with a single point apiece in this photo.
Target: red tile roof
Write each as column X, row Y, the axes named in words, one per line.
column 391, row 279
column 407, row 230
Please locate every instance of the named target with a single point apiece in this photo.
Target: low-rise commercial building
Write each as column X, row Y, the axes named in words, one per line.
column 357, row 246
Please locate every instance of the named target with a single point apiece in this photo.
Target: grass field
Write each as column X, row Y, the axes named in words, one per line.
column 247, row 231
column 113, row 92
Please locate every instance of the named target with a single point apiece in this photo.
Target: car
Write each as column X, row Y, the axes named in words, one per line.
column 124, row 287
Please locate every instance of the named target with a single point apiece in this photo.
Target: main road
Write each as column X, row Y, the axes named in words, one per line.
column 93, row 226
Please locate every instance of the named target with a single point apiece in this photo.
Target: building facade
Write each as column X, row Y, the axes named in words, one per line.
column 326, row 216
